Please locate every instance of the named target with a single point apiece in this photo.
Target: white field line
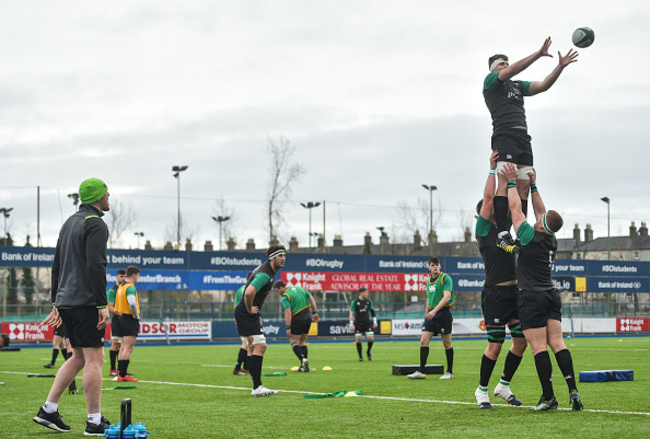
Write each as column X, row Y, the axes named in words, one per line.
column 385, row 398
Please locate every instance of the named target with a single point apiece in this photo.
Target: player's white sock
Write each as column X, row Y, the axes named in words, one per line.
column 95, row 418
column 50, row 407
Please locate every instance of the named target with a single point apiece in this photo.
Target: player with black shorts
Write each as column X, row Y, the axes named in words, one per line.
column 299, row 313
column 505, row 101
column 127, row 304
column 539, row 302
column 498, row 300
column 116, row 336
column 360, row 310
column 437, row 318
column 247, row 313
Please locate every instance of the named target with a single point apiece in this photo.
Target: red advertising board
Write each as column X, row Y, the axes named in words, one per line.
column 334, row 281
column 633, row 325
column 28, row 331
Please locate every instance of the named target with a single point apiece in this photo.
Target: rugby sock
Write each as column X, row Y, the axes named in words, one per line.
column 424, row 355
column 247, row 363
column 524, row 207
column 241, row 358
column 565, row 362
column 122, row 367
column 95, row 418
column 304, row 351
column 370, row 342
column 501, row 212
column 544, row 372
column 487, row 366
column 55, row 353
column 68, row 355
column 50, row 407
column 359, row 349
column 256, row 370
column 297, row 350
column 450, row 360
column 113, row 355
column 509, row 369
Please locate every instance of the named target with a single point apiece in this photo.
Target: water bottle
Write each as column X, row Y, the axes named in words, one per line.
column 141, row 430
column 113, row 432
column 128, row 433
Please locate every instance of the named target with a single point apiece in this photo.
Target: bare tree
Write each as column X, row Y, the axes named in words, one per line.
column 410, row 218
column 119, row 219
column 186, row 231
column 284, row 172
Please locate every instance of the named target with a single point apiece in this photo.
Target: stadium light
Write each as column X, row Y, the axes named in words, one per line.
column 138, row 234
column 220, row 220
column 430, row 189
column 609, row 244
column 310, row 205
column 177, row 170
column 75, row 199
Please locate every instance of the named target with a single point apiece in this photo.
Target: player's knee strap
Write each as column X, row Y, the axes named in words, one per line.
column 524, row 171
column 117, row 339
column 252, row 340
column 515, row 330
column 496, row 335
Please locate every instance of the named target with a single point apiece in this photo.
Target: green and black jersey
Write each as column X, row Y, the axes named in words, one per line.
column 362, row 309
column 436, row 288
column 296, row 299
column 536, row 258
column 262, row 279
column 505, row 100
column 499, row 265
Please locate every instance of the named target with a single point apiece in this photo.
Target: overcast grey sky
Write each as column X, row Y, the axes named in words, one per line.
column 378, row 97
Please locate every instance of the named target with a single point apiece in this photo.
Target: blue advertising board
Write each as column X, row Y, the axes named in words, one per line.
column 618, row 268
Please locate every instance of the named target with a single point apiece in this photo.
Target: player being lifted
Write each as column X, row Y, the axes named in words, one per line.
column 360, row 311
column 299, row 311
column 437, row 318
column 498, row 300
column 505, row 100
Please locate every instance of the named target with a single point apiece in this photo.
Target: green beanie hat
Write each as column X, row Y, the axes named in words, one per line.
column 92, row 190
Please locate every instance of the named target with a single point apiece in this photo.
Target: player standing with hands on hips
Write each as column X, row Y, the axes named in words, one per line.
column 247, row 313
column 437, row 319
column 505, row 100
column 540, row 306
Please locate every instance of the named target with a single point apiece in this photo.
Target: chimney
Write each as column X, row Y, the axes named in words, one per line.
column 321, row 241
column 274, row 240
column 338, row 242
column 293, row 244
column 417, row 240
column 643, row 230
column 168, row 246
column 367, row 244
column 230, row 244
column 576, row 234
column 250, row 244
column 188, row 245
column 433, row 237
column 208, row 247
column 147, row 245
column 589, row 234
column 468, row 235
column 383, row 243
column 633, row 233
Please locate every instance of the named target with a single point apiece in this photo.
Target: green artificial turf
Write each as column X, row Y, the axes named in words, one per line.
column 190, row 391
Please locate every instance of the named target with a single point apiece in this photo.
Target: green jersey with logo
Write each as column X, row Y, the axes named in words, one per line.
column 297, row 299
column 437, row 287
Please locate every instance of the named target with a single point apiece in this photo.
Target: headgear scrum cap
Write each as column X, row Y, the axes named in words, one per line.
column 92, row 190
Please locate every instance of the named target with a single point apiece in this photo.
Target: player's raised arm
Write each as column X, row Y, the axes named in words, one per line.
column 490, row 187
column 564, row 60
column 514, row 202
column 524, row 63
column 538, row 205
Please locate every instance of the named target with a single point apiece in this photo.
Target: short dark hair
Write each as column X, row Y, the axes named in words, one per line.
column 479, row 206
column 495, row 57
column 5, row 340
column 554, row 221
column 121, row 271
column 274, row 248
column 434, row 260
column 279, row 284
column 363, row 290
column 131, row 270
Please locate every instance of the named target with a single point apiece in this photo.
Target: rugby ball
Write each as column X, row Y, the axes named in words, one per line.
column 583, row 37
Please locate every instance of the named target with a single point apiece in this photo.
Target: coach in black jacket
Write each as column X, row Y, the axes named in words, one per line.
column 79, row 303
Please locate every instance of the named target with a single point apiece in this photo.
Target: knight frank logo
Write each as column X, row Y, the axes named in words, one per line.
column 410, row 282
column 294, row 279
